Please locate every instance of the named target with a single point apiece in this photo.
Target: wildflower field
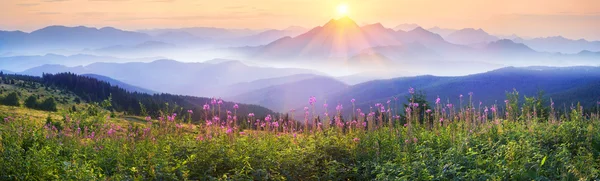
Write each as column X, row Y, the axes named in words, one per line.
column 511, row 141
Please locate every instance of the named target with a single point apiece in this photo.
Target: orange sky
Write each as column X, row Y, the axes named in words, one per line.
column 570, row 18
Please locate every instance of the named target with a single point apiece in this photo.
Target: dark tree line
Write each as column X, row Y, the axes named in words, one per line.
column 135, row 103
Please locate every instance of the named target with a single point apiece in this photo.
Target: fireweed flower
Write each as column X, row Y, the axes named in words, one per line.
column 339, row 107
column 352, row 100
column 190, row 111
column 251, row 115
column 356, row 139
column 437, row 101
column 148, row 118
column 411, row 90
column 312, row 100
column 206, row 107
column 415, row 140
column 325, row 105
column 235, row 106
column 110, row 132
column 220, row 101
column 305, row 108
column 428, row 111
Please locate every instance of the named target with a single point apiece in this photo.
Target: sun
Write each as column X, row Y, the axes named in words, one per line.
column 342, row 9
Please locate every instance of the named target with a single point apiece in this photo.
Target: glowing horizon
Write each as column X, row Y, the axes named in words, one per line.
column 536, row 18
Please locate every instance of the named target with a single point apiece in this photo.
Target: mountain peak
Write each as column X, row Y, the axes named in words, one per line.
column 418, row 28
column 375, row 25
column 341, row 22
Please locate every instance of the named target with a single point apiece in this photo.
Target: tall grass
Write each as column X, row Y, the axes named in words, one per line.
column 446, row 142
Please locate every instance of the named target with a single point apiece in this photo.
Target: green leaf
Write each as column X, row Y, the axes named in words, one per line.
column 543, row 161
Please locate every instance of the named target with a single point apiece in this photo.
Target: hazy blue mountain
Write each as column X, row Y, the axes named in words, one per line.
column 487, row 87
column 589, row 53
column 441, row 31
column 505, row 46
column 21, row 63
column 170, row 76
column 74, row 38
column 433, row 41
column 470, row 36
column 560, row 44
column 6, row 71
column 204, row 32
column 290, row 95
column 240, row 88
column 406, row 26
column 407, row 51
column 145, row 48
column 265, row 37
column 182, row 38
column 120, row 84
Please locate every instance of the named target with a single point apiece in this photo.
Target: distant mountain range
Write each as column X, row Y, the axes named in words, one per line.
column 470, row 36
column 58, row 39
column 342, row 43
column 62, row 37
column 21, row 63
column 565, row 85
column 489, row 87
column 202, row 79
